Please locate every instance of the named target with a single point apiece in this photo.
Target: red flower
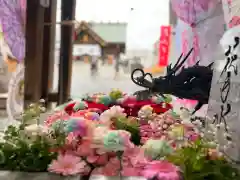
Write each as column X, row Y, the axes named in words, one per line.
column 91, row 105
column 131, row 107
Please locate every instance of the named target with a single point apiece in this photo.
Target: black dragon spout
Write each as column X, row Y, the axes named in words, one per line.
column 192, row 83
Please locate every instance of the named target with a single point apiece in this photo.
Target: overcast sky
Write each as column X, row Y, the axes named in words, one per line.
column 144, row 20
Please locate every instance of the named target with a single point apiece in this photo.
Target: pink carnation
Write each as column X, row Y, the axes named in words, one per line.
column 162, row 170
column 133, row 162
column 67, row 165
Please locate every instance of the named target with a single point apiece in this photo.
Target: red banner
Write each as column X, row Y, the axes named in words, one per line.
column 164, row 45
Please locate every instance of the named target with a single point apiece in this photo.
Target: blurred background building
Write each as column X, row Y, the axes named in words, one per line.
column 100, row 39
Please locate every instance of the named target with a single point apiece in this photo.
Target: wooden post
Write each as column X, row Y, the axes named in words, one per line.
column 33, row 59
column 48, row 49
column 65, row 66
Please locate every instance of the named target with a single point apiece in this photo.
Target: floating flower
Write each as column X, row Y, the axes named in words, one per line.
column 67, row 165
column 156, row 149
column 81, row 105
column 120, row 100
column 158, row 99
column 177, row 132
column 145, row 111
column 77, row 126
column 106, row 100
column 113, row 112
column 93, row 116
column 98, row 135
column 162, row 170
column 117, row 111
column 115, row 94
column 86, row 97
column 117, row 140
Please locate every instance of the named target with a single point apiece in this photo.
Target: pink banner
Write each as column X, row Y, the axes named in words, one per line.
column 164, row 45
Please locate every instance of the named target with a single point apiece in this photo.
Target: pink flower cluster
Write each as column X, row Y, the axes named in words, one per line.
column 164, row 125
column 133, row 162
column 158, row 127
column 148, row 132
column 97, row 152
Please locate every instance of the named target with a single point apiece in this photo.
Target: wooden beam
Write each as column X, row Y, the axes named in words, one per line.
column 33, row 59
column 65, row 66
column 48, row 49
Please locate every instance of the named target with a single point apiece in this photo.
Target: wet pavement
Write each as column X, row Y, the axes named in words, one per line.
column 83, row 82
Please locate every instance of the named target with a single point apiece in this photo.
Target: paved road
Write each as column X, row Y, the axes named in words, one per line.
column 83, row 83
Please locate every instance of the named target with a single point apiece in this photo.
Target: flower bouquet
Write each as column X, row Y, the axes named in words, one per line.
column 114, row 135
column 117, row 135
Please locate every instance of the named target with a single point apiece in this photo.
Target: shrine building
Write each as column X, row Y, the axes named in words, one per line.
column 100, row 39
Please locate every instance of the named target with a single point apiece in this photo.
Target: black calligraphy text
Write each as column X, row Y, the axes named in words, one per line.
column 225, row 107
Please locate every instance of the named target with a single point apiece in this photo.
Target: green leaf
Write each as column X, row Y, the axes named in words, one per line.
column 132, row 127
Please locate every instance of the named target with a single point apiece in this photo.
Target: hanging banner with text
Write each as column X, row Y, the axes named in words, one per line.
column 164, row 45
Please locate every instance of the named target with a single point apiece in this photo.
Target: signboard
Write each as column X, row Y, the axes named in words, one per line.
column 224, row 102
column 164, row 45
column 89, row 49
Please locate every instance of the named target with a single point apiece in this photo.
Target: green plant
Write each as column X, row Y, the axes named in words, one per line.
column 196, row 165
column 131, row 126
column 29, row 151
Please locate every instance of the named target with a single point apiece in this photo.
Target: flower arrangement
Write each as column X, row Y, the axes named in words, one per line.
column 100, row 135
